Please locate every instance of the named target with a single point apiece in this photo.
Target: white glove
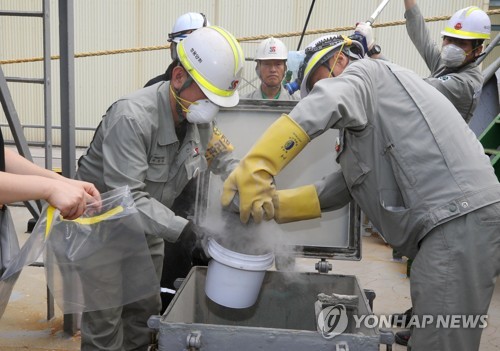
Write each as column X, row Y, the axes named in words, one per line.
column 366, row 30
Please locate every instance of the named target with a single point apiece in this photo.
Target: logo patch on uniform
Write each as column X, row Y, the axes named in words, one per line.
column 289, row 145
column 158, row 160
column 444, row 78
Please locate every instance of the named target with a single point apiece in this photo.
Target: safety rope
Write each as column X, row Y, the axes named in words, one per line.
column 242, row 39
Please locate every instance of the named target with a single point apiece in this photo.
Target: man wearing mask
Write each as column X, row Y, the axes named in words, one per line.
column 452, row 65
column 271, row 57
column 154, row 141
column 176, row 262
column 410, row 162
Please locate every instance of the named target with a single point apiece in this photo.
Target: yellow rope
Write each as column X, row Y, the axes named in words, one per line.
column 242, row 39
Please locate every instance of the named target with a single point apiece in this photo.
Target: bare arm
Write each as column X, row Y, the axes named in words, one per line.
column 24, row 181
column 409, row 4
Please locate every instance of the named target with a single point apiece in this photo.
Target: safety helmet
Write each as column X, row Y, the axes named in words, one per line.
column 214, row 59
column 271, row 49
column 468, row 23
column 320, row 51
column 186, row 24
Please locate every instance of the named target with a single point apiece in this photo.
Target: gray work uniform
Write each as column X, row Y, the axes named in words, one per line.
column 284, row 95
column 419, row 173
column 136, row 146
column 461, row 85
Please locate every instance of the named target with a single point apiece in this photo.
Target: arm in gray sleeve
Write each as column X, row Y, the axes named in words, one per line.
column 419, row 35
column 459, row 91
column 125, row 162
column 341, row 102
column 332, row 192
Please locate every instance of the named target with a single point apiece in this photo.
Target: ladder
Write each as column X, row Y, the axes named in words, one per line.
column 490, row 139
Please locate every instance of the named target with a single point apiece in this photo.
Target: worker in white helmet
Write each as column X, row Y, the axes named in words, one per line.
column 413, row 166
column 176, row 263
column 184, row 25
column 270, row 58
column 154, row 141
column 452, row 64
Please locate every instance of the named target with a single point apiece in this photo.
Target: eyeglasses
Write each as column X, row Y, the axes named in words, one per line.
column 172, row 36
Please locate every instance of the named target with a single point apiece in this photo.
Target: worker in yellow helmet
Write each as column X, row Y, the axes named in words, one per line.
column 410, row 162
column 452, row 64
column 154, row 141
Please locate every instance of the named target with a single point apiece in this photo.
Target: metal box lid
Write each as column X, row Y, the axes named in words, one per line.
column 336, row 235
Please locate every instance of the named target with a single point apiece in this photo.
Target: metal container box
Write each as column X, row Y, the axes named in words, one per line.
column 283, row 318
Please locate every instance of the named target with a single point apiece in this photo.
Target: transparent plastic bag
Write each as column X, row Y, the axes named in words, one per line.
column 100, row 260
column 9, row 248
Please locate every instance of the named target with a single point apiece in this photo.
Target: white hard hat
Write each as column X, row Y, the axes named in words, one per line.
column 214, row 59
column 468, row 23
column 271, row 49
column 185, row 24
column 320, row 51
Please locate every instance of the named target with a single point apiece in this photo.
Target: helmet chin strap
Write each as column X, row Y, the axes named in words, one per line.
column 179, row 107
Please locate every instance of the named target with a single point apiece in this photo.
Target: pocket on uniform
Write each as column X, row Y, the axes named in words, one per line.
column 402, row 170
column 157, row 173
column 488, row 215
column 354, row 171
column 195, row 166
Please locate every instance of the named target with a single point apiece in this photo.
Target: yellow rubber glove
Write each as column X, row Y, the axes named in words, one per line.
column 296, row 204
column 253, row 177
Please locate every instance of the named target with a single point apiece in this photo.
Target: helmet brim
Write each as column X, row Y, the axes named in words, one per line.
column 458, row 36
column 223, row 101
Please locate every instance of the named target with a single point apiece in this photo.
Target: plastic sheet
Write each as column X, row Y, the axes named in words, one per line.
column 9, row 248
column 98, row 261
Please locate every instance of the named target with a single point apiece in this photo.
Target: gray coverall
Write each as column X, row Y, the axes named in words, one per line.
column 461, row 85
column 284, row 95
column 420, row 174
column 136, row 145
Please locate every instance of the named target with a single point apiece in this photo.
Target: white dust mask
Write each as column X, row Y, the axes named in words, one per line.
column 202, row 111
column 452, row 55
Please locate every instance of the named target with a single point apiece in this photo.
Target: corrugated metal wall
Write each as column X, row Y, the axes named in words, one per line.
column 102, row 25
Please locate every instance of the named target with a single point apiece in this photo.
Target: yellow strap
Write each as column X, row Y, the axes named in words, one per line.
column 218, row 144
column 80, row 220
column 472, row 35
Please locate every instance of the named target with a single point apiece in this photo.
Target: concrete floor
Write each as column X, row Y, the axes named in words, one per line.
column 24, row 325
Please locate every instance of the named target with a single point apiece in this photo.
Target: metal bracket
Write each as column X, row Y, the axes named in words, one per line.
column 193, row 341
column 386, row 338
column 342, row 346
column 154, row 322
column 370, row 295
column 323, row 266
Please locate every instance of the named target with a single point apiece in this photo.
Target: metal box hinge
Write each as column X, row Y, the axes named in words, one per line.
column 323, row 266
column 193, row 341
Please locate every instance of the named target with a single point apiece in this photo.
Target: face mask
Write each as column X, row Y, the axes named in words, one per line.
column 202, row 111
column 452, row 55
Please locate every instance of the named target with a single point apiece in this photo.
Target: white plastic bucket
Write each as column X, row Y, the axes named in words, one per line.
column 234, row 279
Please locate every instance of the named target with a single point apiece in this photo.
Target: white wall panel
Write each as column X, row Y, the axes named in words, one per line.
column 102, row 25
